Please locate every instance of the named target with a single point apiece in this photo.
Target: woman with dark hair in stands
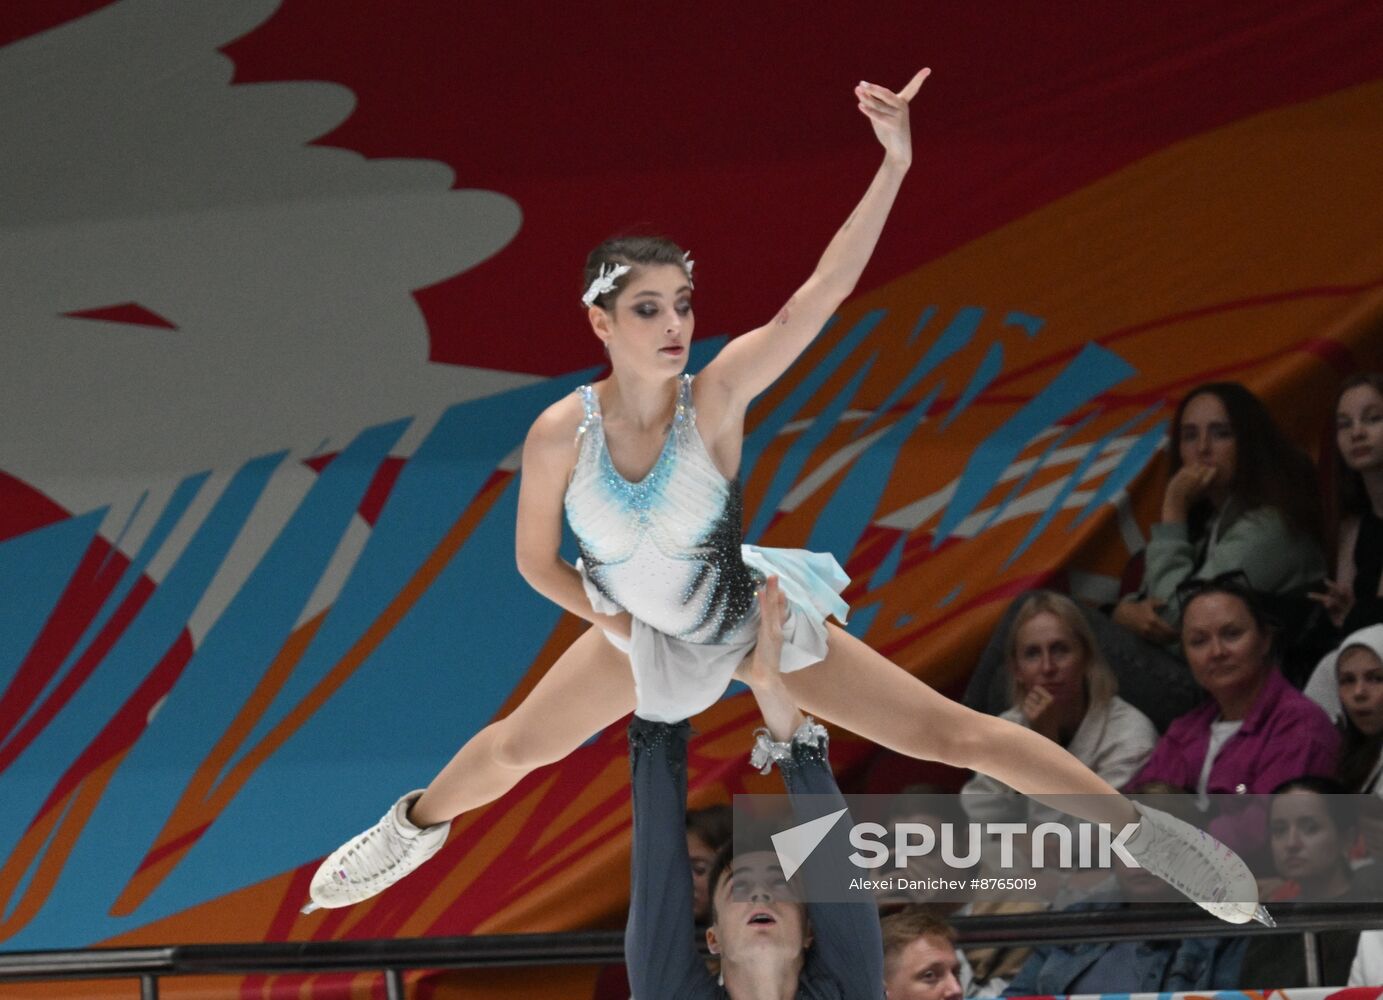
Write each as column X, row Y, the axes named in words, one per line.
column 1255, row 731
column 1354, row 598
column 1311, row 827
column 1240, row 497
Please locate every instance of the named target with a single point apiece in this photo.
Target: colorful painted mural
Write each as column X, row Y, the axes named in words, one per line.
column 285, row 281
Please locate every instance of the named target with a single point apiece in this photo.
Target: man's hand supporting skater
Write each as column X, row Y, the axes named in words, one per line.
column 760, row 669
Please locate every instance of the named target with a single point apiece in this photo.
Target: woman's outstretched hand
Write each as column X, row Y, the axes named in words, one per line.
column 888, row 113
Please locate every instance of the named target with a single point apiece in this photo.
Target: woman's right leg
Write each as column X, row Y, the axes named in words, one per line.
column 589, row 687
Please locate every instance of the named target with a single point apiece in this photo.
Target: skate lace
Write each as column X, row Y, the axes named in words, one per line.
column 376, row 855
column 1196, row 867
column 1205, row 870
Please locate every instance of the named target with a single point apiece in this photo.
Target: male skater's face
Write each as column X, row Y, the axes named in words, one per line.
column 756, row 911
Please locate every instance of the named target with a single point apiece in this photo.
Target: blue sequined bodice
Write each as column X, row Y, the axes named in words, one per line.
column 665, row 548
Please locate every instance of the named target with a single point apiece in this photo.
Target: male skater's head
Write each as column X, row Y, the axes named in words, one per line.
column 759, row 925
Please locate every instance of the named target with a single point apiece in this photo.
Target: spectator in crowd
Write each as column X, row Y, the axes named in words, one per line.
column 1311, row 827
column 1142, row 966
column 1240, row 497
column 920, row 958
column 985, row 970
column 1061, row 686
column 770, row 943
column 1256, row 730
column 1359, row 668
column 708, row 831
column 1367, row 967
column 1354, row 598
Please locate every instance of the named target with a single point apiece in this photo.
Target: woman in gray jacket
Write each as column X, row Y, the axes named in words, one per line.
column 1061, row 687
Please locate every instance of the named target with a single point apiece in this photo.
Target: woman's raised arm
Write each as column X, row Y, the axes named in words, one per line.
column 751, row 363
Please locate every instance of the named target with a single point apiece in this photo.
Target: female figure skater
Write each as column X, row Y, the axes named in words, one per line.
column 645, row 464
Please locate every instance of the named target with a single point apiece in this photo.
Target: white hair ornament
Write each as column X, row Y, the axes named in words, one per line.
column 604, row 282
column 687, row 265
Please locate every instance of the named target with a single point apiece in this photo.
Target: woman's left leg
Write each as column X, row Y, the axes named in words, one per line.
column 857, row 688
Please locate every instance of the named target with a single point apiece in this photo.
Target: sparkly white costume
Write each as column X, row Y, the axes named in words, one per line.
column 667, row 550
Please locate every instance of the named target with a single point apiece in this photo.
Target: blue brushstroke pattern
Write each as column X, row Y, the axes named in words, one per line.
column 21, row 886
column 957, row 336
column 134, row 571
column 124, row 529
column 213, row 687
column 861, row 619
column 1139, row 454
column 763, row 435
column 922, row 321
column 854, row 502
column 35, row 569
column 434, row 488
column 802, row 449
column 988, row 371
column 1031, row 325
column 1022, row 484
column 1091, row 455
column 145, row 642
column 436, row 679
column 888, row 566
column 1093, row 371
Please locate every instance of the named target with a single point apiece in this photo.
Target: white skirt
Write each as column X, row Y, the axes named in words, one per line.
column 675, row 679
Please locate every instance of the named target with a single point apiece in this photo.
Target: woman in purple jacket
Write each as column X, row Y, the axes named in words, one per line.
column 1255, row 731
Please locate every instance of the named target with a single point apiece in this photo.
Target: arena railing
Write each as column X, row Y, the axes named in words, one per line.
column 393, row 957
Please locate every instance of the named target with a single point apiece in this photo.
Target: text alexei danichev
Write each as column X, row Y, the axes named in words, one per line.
column 914, row 884
column 900, row 884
